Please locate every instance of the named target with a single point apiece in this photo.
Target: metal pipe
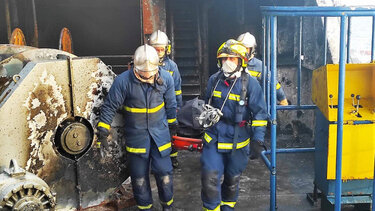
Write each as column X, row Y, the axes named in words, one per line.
column 340, row 112
column 268, row 65
column 325, row 42
column 283, row 151
column 328, row 10
column 264, row 75
column 295, row 107
column 348, row 41
column 273, row 43
column 316, row 11
column 7, row 17
column 299, row 61
column 373, row 39
column 36, row 36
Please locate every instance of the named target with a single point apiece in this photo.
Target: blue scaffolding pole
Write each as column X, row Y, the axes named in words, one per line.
column 270, row 59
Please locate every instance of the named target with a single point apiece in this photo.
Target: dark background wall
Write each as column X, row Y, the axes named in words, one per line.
column 98, row 27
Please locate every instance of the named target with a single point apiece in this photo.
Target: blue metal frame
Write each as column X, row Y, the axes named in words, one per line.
column 270, row 14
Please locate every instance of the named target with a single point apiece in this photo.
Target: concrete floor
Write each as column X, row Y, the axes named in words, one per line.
column 295, row 174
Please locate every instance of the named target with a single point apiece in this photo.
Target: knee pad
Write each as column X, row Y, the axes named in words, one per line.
column 230, row 186
column 210, row 182
column 139, row 184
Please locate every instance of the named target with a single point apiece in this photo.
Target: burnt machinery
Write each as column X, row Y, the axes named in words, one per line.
column 49, row 105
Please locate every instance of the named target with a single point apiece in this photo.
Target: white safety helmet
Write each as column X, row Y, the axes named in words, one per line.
column 160, row 39
column 146, row 63
column 248, row 40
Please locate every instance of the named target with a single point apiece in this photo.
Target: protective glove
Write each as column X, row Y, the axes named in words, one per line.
column 172, row 129
column 284, row 102
column 102, row 135
column 256, row 147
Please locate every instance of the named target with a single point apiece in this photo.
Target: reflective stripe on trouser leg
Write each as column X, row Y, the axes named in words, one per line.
column 174, row 153
column 229, row 192
column 162, row 169
column 235, row 165
column 139, row 167
column 212, row 169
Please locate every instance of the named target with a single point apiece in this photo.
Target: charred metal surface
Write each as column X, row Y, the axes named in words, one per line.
column 39, row 102
column 154, row 16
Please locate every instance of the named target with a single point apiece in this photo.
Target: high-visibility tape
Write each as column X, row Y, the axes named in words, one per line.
column 165, row 146
column 104, row 125
column 135, row 150
column 259, row 123
column 144, row 110
column 227, row 203
column 230, row 145
column 207, row 137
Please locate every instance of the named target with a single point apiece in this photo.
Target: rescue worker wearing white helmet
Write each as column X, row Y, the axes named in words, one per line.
column 159, row 40
column 254, row 66
column 147, row 95
column 242, row 121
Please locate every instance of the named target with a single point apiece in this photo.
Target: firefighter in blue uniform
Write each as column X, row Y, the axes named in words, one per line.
column 254, row 65
column 159, row 40
column 242, row 123
column 147, row 96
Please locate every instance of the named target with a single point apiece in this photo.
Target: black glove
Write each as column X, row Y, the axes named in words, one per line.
column 102, row 135
column 172, row 129
column 256, row 147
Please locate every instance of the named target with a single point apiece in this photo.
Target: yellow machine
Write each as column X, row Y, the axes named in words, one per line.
column 358, row 131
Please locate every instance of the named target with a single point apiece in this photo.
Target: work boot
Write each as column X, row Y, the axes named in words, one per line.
column 175, row 163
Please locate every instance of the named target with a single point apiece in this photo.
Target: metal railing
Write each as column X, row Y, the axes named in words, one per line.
column 270, row 15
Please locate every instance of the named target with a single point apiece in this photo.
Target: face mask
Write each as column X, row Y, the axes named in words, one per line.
column 229, row 67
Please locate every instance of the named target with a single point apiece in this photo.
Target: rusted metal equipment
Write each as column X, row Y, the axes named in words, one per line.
column 49, row 105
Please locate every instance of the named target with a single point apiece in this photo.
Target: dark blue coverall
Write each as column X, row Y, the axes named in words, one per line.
column 148, row 109
column 170, row 66
column 254, row 67
column 218, row 157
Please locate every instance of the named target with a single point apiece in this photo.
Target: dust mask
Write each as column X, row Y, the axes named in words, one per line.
column 229, row 67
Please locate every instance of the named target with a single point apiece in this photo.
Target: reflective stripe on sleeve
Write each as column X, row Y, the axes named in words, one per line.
column 259, row 123
column 104, row 125
column 278, row 86
column 135, row 150
column 178, row 92
column 254, row 73
column 165, row 146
